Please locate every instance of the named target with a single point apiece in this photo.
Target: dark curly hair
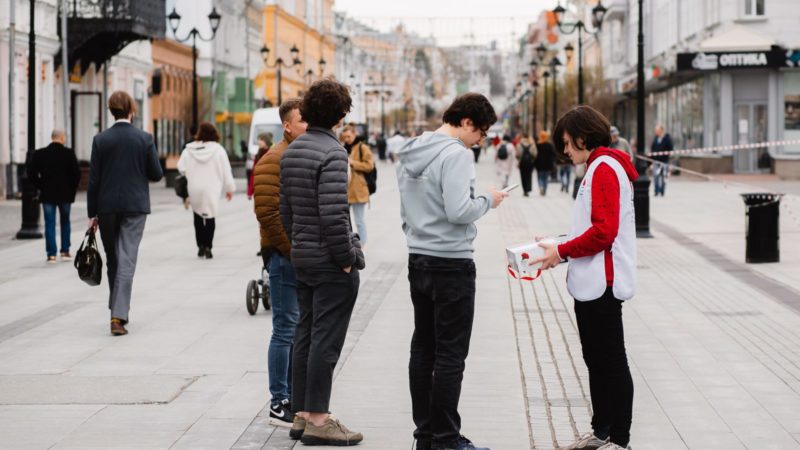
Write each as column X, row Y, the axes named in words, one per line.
column 326, row 103
column 472, row 106
column 582, row 123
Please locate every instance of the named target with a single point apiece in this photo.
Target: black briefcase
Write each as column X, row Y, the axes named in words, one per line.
column 88, row 261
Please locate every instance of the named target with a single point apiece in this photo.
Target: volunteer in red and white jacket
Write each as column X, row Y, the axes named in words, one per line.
column 602, row 270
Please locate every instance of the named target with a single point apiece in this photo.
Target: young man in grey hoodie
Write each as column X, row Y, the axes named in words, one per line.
column 439, row 206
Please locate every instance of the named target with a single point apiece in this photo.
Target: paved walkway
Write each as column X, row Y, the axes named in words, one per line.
column 713, row 343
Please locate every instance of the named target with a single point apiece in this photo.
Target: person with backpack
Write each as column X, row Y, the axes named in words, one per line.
column 503, row 162
column 361, row 168
column 545, row 161
column 526, row 155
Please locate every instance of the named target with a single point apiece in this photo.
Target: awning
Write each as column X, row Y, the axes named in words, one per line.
column 738, row 38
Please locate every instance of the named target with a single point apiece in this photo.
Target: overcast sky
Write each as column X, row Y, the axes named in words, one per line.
column 451, row 22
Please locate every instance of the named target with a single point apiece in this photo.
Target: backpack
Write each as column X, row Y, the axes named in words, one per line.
column 370, row 177
column 502, row 152
column 527, row 157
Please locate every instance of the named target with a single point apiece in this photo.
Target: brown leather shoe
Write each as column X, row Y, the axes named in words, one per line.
column 332, row 432
column 117, row 329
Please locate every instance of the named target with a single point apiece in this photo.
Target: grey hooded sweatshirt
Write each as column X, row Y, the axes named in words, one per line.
column 438, row 205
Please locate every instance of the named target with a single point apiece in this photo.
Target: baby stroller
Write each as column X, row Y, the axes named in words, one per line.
column 258, row 290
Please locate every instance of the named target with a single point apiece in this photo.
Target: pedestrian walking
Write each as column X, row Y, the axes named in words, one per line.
column 526, row 157
column 205, row 164
column 599, row 279
column 620, row 143
column 276, row 253
column 662, row 142
column 393, row 145
column 545, row 161
column 380, row 143
column 123, row 160
column 439, row 206
column 55, row 173
column 315, row 214
column 360, row 160
column 503, row 161
column 264, row 144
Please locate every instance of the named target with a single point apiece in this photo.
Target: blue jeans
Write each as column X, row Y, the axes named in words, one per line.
column 50, row 227
column 285, row 313
column 564, row 173
column 659, row 178
column 544, row 177
column 361, row 225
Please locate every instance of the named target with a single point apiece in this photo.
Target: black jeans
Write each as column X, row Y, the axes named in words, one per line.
column 526, row 175
column 204, row 231
column 610, row 382
column 443, row 293
column 326, row 297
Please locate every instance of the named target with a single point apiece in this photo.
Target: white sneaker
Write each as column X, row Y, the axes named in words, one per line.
column 587, row 441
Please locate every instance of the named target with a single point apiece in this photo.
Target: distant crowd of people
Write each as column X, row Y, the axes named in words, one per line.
column 315, row 182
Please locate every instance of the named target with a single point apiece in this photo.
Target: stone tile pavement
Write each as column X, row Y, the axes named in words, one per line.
column 713, row 343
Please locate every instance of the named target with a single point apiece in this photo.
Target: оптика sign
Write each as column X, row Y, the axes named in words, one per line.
column 713, row 61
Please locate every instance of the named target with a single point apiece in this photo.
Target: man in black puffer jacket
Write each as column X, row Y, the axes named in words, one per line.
column 325, row 255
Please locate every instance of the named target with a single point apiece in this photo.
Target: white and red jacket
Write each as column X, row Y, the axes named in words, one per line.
column 602, row 241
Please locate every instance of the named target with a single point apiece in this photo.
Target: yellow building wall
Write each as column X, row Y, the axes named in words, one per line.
column 282, row 31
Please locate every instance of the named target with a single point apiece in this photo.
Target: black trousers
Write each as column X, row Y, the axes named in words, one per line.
column 610, row 382
column 443, row 293
column 326, row 298
column 204, row 231
column 526, row 173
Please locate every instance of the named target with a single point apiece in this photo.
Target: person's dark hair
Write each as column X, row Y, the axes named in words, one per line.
column 266, row 137
column 472, row 106
column 582, row 123
column 286, row 107
column 207, row 133
column 506, row 138
column 326, row 103
column 121, row 105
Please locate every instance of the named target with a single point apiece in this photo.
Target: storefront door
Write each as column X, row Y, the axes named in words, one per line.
column 750, row 126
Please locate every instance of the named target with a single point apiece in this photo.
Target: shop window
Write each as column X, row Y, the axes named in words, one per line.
column 754, row 8
column 791, row 117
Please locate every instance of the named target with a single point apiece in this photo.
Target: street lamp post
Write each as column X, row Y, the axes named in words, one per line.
column 546, row 75
column 554, row 63
column 533, row 122
column 310, row 73
column 30, row 205
column 641, row 187
column 174, row 21
column 598, row 13
column 279, row 64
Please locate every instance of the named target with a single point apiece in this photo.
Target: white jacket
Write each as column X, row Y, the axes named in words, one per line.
column 208, row 172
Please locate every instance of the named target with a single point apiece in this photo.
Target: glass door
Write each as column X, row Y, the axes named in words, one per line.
column 750, row 126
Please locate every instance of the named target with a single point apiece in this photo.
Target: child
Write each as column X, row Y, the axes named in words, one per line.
column 602, row 270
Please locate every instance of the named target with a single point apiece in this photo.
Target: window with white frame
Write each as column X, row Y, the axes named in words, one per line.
column 754, row 8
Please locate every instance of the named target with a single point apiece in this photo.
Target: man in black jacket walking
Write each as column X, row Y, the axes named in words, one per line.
column 315, row 215
column 124, row 159
column 54, row 170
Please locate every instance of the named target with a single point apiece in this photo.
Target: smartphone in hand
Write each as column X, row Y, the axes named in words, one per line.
column 510, row 188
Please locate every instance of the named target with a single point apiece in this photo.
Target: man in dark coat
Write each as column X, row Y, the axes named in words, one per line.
column 124, row 159
column 54, row 170
column 662, row 142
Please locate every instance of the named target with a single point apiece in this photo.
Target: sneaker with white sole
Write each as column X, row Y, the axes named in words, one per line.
column 613, row 446
column 587, row 441
column 280, row 414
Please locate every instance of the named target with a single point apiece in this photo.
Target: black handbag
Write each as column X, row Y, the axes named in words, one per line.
column 88, row 261
column 181, row 186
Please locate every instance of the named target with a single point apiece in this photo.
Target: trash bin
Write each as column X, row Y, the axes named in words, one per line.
column 762, row 211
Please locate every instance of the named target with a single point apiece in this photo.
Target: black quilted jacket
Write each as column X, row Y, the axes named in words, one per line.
column 314, row 208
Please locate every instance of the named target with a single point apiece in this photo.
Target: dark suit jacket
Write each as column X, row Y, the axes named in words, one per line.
column 664, row 146
column 124, row 159
column 54, row 170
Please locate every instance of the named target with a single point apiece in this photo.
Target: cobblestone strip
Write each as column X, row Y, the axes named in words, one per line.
column 260, row 434
column 557, row 402
column 734, row 317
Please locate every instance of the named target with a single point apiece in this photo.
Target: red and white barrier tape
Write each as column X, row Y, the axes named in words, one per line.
column 721, row 148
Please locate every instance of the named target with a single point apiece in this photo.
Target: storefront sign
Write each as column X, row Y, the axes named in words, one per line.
column 711, row 61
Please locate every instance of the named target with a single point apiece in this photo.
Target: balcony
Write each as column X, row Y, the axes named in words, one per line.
column 617, row 9
column 99, row 29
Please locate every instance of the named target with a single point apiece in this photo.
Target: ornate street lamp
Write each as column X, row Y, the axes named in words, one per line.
column 598, row 13
column 554, row 63
column 174, row 20
column 279, row 64
column 546, row 75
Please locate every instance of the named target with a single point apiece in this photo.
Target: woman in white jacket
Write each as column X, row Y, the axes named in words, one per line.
column 208, row 172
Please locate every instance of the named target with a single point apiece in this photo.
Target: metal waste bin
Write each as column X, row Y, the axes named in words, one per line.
column 762, row 213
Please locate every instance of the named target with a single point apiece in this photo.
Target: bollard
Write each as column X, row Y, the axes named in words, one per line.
column 762, row 211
